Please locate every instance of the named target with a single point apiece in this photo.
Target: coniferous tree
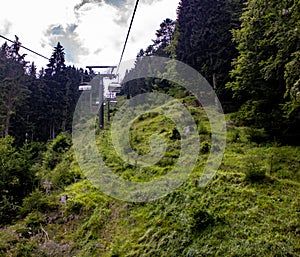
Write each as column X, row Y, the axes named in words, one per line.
column 57, row 95
column 164, row 38
column 160, row 47
column 55, row 87
column 204, row 40
column 13, row 87
column 57, row 60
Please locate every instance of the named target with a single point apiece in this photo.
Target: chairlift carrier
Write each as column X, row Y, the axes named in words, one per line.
column 114, row 87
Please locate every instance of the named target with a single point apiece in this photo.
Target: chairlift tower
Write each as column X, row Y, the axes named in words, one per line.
column 101, row 90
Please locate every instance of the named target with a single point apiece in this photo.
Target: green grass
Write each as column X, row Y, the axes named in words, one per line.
column 250, row 208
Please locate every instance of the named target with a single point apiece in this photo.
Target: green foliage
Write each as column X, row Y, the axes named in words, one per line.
column 61, row 143
column 13, row 85
column 234, row 211
column 254, row 170
column 56, row 149
column 25, row 250
column 96, row 222
column 133, row 83
column 34, row 221
column 204, row 41
column 36, row 107
column 59, row 167
column 233, row 136
column 265, row 72
column 200, row 220
column 83, row 197
column 64, row 175
column 38, row 201
column 256, row 135
column 233, row 215
column 9, row 207
column 16, row 180
column 205, row 147
column 284, row 162
column 292, row 78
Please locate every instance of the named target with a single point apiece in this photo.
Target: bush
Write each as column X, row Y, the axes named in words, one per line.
column 8, row 209
column 60, row 145
column 257, row 135
column 38, row 201
column 15, row 180
column 204, row 147
column 254, row 170
column 35, row 220
column 64, row 175
column 233, row 136
column 200, row 220
column 25, row 250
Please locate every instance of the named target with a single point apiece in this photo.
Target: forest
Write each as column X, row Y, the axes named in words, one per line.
column 249, row 52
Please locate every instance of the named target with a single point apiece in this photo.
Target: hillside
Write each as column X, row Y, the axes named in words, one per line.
column 250, row 208
column 67, row 191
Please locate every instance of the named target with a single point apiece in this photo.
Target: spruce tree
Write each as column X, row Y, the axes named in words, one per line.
column 57, row 60
column 204, row 40
column 13, row 87
column 160, row 47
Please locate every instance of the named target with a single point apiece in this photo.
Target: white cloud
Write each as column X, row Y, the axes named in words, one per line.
column 93, row 33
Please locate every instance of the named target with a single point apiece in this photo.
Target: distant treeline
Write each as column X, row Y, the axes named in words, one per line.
column 36, row 106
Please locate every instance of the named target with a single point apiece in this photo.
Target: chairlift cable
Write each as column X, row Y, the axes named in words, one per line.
column 25, row 47
column 132, row 18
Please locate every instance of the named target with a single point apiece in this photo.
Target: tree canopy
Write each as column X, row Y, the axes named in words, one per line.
column 36, row 107
column 265, row 77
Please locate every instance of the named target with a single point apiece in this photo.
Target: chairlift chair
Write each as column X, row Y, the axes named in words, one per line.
column 114, row 87
column 113, row 102
column 85, row 86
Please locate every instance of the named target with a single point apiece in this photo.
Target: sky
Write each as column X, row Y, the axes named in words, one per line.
column 91, row 31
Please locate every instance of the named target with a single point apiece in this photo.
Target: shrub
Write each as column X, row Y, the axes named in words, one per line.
column 25, row 250
column 200, row 220
column 204, row 147
column 233, row 136
column 35, row 220
column 8, row 209
column 38, row 201
column 15, row 180
column 254, row 170
column 64, row 175
column 256, row 135
column 60, row 145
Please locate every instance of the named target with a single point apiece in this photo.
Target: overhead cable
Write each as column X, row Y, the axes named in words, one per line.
column 132, row 18
column 25, row 48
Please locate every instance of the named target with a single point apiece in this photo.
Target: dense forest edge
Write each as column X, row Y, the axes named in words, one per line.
column 249, row 52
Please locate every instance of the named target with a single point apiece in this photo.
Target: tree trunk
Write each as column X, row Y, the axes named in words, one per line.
column 6, row 124
column 9, row 111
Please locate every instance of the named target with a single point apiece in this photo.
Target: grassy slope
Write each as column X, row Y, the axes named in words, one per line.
column 240, row 213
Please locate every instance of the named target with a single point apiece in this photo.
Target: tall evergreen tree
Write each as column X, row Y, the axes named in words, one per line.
column 164, row 38
column 13, row 86
column 204, row 40
column 57, row 60
column 55, row 87
column 56, row 96
column 160, row 47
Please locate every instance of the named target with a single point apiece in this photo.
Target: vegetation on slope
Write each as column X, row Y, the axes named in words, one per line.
column 250, row 208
